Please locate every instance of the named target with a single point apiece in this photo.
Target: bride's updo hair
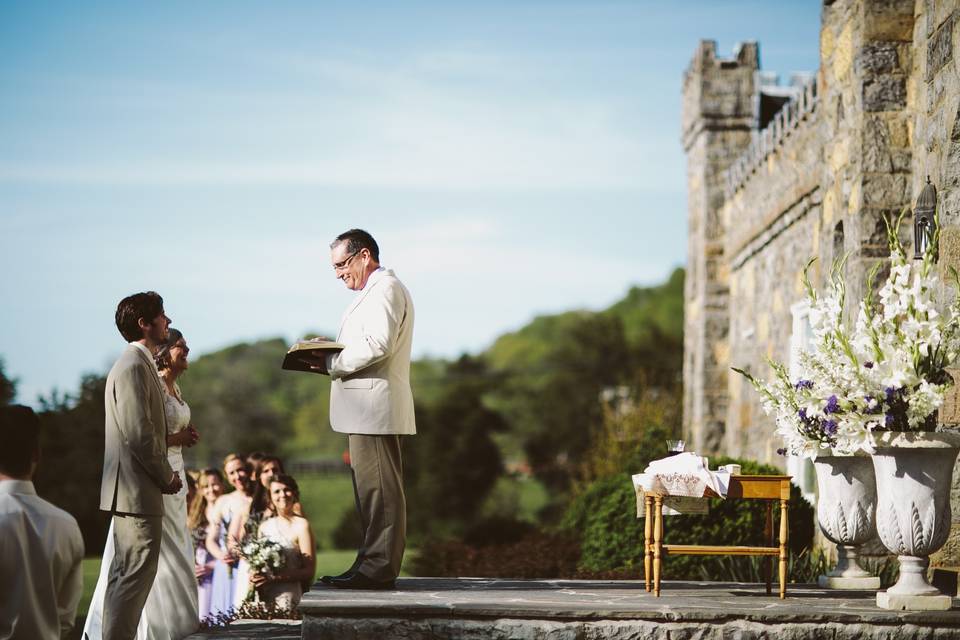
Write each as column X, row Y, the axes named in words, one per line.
column 163, row 355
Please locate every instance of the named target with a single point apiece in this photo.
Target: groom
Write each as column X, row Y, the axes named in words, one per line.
column 135, row 468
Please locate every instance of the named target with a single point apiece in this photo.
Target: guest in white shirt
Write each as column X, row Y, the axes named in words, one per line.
column 40, row 544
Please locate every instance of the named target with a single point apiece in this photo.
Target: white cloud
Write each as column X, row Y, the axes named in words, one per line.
column 439, row 120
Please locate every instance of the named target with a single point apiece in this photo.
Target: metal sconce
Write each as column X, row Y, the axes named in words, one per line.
column 925, row 221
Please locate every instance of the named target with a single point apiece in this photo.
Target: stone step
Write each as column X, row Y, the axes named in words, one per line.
column 252, row 630
column 493, row 609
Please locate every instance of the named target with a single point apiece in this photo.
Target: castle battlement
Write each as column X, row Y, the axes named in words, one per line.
column 767, row 140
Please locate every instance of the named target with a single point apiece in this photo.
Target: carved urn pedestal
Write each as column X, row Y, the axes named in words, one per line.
column 846, row 502
column 913, row 472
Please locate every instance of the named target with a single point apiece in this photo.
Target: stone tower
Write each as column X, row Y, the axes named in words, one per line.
column 718, row 118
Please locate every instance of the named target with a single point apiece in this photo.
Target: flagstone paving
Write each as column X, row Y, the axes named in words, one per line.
column 578, row 609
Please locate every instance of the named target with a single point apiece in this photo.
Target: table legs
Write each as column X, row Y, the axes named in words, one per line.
column 647, row 538
column 783, row 548
column 657, row 542
column 768, row 538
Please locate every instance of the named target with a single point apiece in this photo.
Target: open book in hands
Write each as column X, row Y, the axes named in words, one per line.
column 310, row 355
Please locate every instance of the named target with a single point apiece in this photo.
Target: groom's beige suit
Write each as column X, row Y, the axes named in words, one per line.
column 135, row 472
column 371, row 400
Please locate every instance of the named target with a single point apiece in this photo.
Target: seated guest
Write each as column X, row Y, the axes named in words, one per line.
column 40, row 544
column 285, row 588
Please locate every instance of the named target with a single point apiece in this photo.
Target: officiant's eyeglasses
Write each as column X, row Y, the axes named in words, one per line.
column 337, row 266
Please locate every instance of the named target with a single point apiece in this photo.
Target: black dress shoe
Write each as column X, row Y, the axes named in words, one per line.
column 360, row 581
column 328, row 579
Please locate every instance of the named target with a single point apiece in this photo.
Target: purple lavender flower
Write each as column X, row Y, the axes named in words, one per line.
column 833, row 405
column 888, row 420
column 830, row 428
column 889, row 391
column 804, row 384
column 868, row 364
column 802, row 413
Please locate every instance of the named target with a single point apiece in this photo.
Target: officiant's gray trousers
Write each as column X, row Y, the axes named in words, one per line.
column 136, row 544
column 378, row 488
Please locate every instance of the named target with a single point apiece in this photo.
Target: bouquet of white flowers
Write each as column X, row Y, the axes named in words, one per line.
column 264, row 556
column 888, row 373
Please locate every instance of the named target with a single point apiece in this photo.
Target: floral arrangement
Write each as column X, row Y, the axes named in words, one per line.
column 886, row 373
column 264, row 556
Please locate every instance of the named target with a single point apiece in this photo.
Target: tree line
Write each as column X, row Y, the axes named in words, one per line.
column 545, row 399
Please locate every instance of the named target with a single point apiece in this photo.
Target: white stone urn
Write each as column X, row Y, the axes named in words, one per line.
column 846, row 503
column 913, row 472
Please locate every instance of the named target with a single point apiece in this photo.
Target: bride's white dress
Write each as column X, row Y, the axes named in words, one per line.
column 171, row 609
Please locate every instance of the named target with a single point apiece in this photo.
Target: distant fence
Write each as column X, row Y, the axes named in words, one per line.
column 320, row 465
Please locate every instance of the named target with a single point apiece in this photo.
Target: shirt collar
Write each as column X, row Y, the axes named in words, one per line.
column 140, row 345
column 17, row 486
column 373, row 277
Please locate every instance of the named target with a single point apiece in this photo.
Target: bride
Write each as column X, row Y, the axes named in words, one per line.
column 171, row 609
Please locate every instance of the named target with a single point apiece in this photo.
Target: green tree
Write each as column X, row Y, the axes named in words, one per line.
column 71, row 458
column 453, row 462
column 8, row 386
column 553, row 374
column 241, row 400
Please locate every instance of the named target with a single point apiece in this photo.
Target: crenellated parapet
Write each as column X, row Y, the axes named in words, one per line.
column 766, row 141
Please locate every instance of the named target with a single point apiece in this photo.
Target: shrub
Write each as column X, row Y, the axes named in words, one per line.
column 536, row 555
column 497, row 530
column 612, row 536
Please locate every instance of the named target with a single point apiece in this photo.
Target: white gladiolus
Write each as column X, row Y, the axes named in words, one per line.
column 887, row 373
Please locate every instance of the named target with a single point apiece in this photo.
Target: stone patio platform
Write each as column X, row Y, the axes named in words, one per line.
column 483, row 608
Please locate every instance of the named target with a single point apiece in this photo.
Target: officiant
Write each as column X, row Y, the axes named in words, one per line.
column 371, row 401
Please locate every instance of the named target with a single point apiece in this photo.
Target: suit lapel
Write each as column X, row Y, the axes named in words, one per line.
column 156, row 379
column 371, row 283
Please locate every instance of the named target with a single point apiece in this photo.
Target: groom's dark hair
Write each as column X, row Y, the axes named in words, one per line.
column 147, row 305
column 20, row 435
column 358, row 239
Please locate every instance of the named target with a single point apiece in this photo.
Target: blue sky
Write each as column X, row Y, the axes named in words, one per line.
column 512, row 159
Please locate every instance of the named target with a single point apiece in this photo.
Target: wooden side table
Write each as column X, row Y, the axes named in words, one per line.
column 768, row 488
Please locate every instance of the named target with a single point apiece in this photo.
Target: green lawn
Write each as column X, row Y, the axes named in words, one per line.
column 324, row 499
column 91, row 571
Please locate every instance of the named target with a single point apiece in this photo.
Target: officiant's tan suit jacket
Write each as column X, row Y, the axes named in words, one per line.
column 135, row 466
column 370, row 392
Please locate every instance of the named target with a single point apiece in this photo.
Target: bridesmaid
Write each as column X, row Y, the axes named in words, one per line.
column 264, row 470
column 210, row 487
column 221, row 547
column 294, row 534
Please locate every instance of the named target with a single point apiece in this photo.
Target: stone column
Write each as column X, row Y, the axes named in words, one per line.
column 716, row 127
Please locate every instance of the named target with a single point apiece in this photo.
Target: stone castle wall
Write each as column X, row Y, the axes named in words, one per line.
column 853, row 149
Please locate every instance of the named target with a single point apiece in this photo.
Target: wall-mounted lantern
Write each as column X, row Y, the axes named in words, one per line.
column 925, row 221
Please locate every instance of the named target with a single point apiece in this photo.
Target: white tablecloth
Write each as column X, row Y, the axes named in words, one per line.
column 683, row 480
